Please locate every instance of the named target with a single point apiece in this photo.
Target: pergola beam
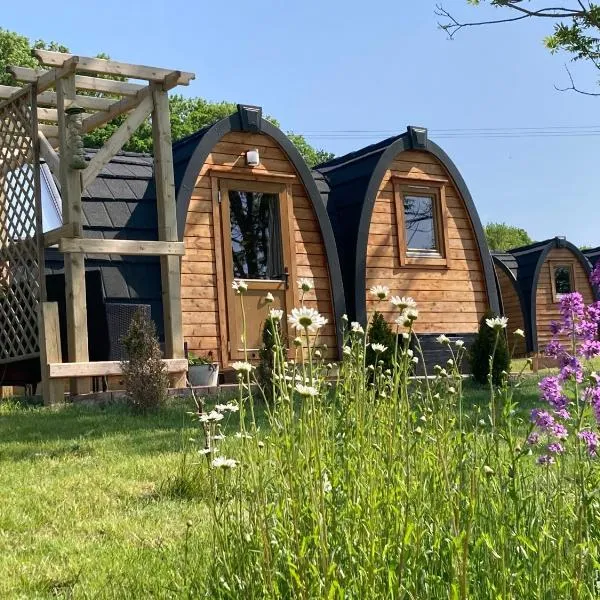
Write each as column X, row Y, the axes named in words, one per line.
column 49, row 155
column 48, row 99
column 117, row 108
column 111, row 67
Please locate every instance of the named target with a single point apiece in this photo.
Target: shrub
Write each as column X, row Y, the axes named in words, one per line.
column 482, row 349
column 381, row 333
column 146, row 379
column 264, row 369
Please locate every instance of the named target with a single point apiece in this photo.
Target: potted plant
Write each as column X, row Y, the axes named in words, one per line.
column 202, row 370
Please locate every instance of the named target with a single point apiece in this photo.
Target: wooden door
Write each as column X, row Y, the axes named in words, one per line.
column 256, row 249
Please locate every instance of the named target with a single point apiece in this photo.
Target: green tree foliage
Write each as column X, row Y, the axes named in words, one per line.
column 575, row 25
column 483, row 347
column 381, row 333
column 501, row 237
column 187, row 114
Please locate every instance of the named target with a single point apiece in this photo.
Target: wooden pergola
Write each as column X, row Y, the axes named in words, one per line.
column 65, row 111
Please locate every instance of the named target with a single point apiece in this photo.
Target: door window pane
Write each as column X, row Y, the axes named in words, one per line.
column 563, row 283
column 255, row 235
column 419, row 223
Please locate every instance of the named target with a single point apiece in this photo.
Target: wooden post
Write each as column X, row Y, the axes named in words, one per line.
column 50, row 352
column 170, row 266
column 70, row 179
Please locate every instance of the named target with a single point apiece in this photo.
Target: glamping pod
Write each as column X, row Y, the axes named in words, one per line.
column 592, row 254
column 248, row 208
column 531, row 280
column 403, row 217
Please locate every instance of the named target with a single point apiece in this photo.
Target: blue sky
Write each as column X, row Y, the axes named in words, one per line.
column 332, row 67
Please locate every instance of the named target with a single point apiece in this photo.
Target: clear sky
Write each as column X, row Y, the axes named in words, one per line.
column 333, row 68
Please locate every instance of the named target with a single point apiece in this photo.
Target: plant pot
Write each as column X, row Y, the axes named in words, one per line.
column 204, row 375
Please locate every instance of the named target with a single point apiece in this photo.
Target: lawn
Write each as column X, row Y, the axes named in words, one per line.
column 87, row 509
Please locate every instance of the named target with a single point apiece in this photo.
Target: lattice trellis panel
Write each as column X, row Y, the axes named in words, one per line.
column 20, row 229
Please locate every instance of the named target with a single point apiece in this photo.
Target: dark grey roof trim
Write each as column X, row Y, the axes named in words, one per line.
column 205, row 145
column 497, row 258
column 403, row 144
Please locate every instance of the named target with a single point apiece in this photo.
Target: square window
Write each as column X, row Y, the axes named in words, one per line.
column 420, row 227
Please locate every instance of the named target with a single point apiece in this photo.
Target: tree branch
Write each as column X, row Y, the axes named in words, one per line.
column 574, row 88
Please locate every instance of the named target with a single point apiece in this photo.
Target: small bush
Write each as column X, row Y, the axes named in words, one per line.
column 381, row 333
column 264, row 369
column 146, row 379
column 482, row 349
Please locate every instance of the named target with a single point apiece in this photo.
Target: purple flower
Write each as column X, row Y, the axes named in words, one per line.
column 543, row 419
column 590, row 439
column 593, row 312
column 571, row 306
column 556, row 448
column 554, row 349
column 592, row 395
column 595, row 277
column 552, row 392
column 545, row 459
column 555, row 328
column 586, row 329
column 570, row 367
column 534, row 438
column 559, row 431
column 590, row 348
column 563, row 413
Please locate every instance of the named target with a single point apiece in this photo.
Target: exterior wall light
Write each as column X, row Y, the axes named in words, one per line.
column 253, row 158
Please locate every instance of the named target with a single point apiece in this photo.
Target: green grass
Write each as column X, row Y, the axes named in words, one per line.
column 87, row 507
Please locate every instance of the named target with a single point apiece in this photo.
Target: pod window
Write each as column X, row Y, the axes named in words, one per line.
column 563, row 281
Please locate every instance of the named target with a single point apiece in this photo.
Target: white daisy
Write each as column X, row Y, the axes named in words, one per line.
column 415, row 360
column 411, row 314
column 242, row 366
column 497, row 323
column 239, row 286
column 403, row 303
column 356, row 327
column 442, row 339
column 276, row 314
column 224, row 463
column 459, row 343
column 230, row 406
column 378, row 347
column 381, row 292
column 347, row 350
column 212, row 416
column 306, row 318
column 520, row 333
column 305, row 285
column 269, row 298
column 345, row 317
column 297, row 342
column 243, row 436
column 206, row 451
column 307, row 391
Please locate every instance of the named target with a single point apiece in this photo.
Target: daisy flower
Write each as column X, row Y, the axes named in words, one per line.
column 306, row 318
column 242, row 366
column 212, row 416
column 378, row 347
column 356, row 327
column 224, row 463
column 497, row 323
column 239, row 286
column 269, row 298
column 381, row 292
column 305, row 285
column 276, row 314
column 307, row 391
column 403, row 303
column 442, row 339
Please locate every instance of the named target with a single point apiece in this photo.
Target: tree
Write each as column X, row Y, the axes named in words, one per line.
column 576, row 26
column 501, row 237
column 187, row 114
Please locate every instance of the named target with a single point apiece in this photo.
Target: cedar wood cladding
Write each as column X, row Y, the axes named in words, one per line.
column 530, row 268
column 358, row 191
column 223, row 145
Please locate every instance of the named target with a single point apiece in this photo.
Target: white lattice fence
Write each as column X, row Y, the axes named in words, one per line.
column 20, row 229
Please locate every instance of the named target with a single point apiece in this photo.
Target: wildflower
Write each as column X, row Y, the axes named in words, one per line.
column 442, row 339
column 306, row 318
column 519, row 332
column 443, row 373
column 212, row 416
column 345, row 317
column 305, row 285
column 488, row 471
column 559, row 430
column 218, row 437
column 543, row 419
column 595, row 276
column 436, row 396
column 451, row 390
column 534, row 438
column 415, row 360
column 297, row 342
column 459, row 343
column 418, row 431
column 269, row 298
column 405, row 336
column 481, row 422
column 590, row 349
column 423, row 418
column 220, row 462
column 590, row 439
column 552, row 392
column 571, row 306
column 242, row 366
column 243, row 436
column 450, row 362
column 230, row 406
column 403, row 303
column 205, row 451
column 497, row 323
column 356, row 327
column 545, row 460
column 317, row 354
column 378, row 347
column 347, row 350
column 411, row 314
column 381, row 292
column 555, row 328
column 556, row 448
column 276, row 314
column 239, row 286
column 307, row 391
column 554, row 349
column 327, row 487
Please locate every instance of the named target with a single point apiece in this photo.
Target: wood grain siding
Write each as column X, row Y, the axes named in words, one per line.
column 547, row 310
column 201, row 298
column 451, row 299
column 513, row 311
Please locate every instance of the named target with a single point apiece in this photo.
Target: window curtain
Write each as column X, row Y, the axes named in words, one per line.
column 275, row 249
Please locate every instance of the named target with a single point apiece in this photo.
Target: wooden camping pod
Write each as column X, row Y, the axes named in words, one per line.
column 369, row 195
column 531, row 280
column 212, row 172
